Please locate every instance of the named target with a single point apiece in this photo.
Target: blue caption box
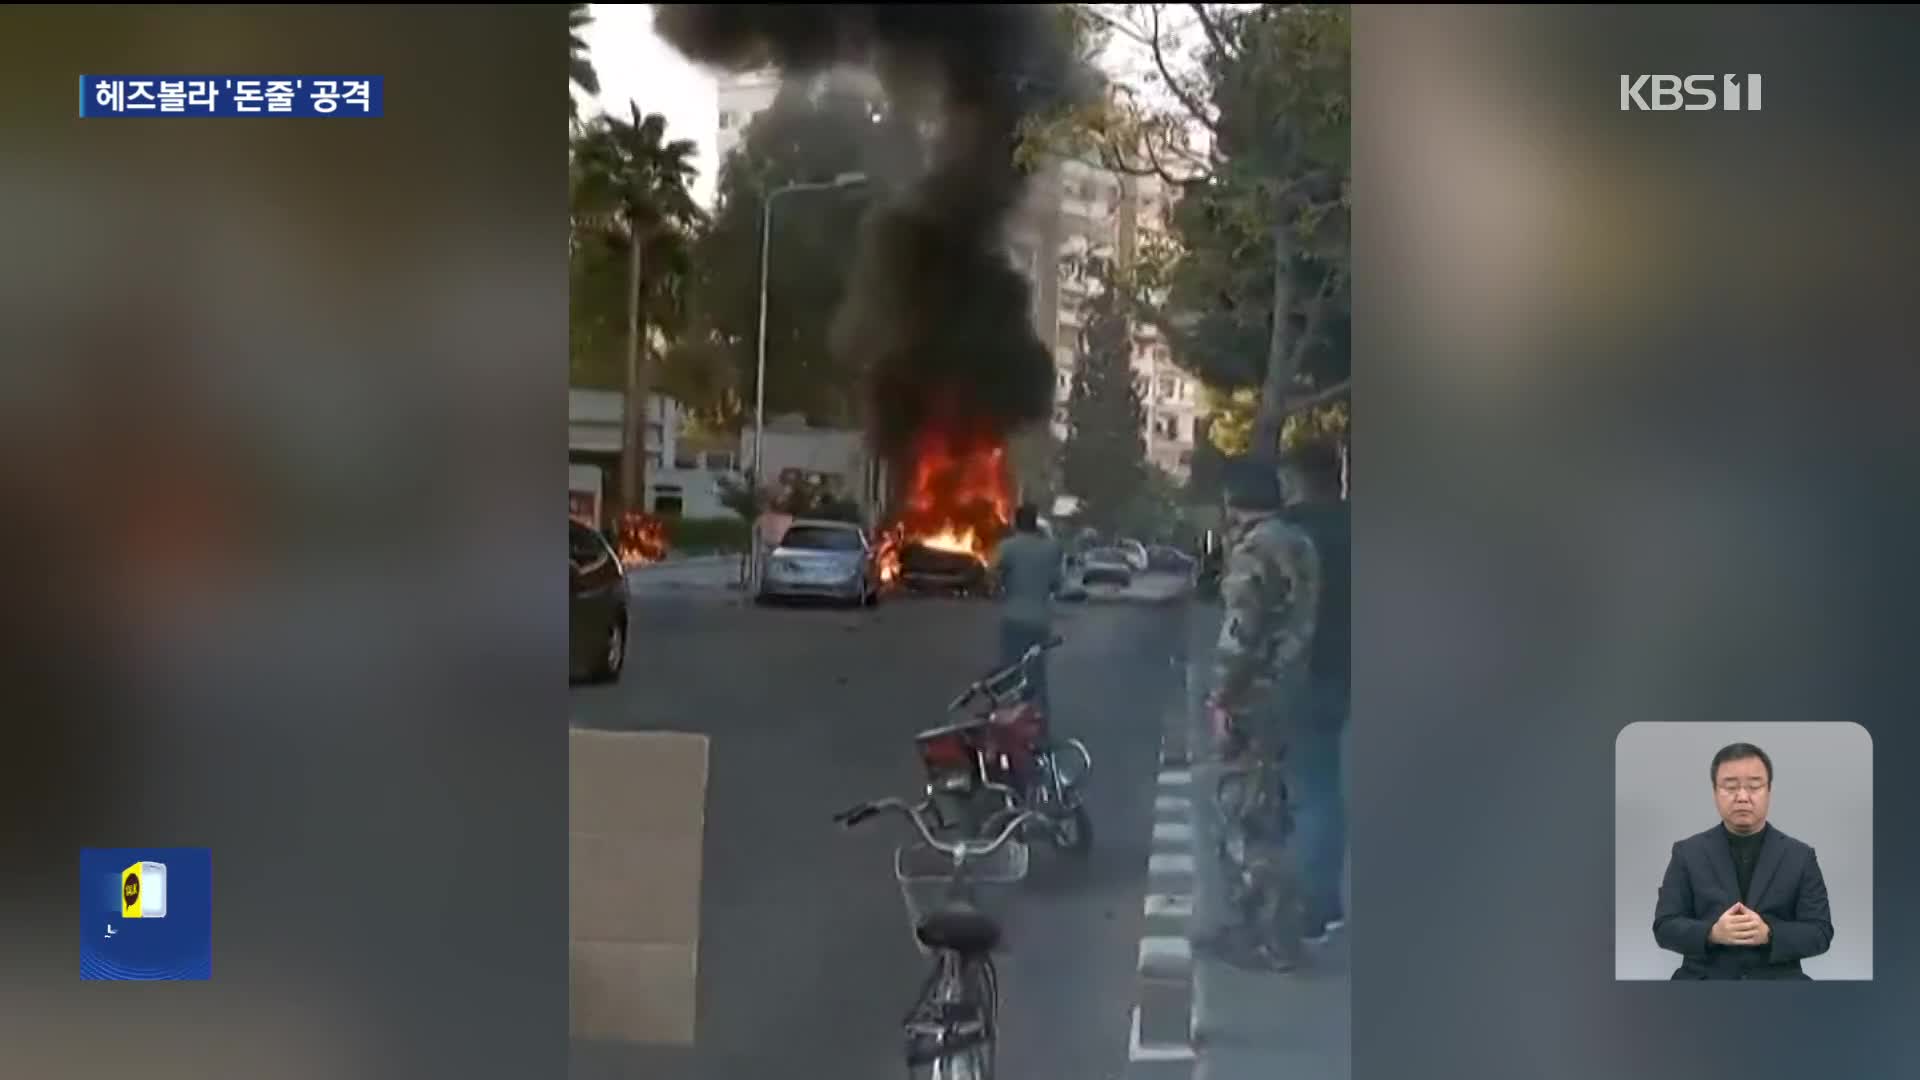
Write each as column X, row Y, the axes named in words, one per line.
column 310, row 96
column 146, row 914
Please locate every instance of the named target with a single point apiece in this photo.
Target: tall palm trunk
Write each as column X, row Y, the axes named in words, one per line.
column 633, row 459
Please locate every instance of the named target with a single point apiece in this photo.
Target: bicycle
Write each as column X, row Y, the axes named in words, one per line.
column 952, row 1029
column 1256, row 826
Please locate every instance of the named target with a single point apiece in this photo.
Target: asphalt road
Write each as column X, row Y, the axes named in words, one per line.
column 806, row 963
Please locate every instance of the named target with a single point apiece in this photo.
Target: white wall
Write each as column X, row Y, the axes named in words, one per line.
column 595, row 426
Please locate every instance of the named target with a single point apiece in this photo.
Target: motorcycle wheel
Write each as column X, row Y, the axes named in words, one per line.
column 1073, row 833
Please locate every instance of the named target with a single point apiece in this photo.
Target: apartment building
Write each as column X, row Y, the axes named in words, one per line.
column 740, row 98
column 1106, row 213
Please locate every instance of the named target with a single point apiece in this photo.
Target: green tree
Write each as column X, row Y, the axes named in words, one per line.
column 812, row 133
column 630, row 199
column 1103, row 463
column 1229, row 431
column 1254, row 134
column 580, row 69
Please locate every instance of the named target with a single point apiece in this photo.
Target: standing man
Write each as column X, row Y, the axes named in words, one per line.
column 1027, row 567
column 1270, row 595
column 1314, row 478
column 1743, row 900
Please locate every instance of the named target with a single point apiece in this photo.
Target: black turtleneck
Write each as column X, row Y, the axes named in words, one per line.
column 1746, row 854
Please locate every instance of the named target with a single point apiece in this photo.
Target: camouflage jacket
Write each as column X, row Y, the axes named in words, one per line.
column 1270, row 591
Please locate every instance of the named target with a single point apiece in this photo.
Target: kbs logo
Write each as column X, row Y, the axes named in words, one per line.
column 1693, row 93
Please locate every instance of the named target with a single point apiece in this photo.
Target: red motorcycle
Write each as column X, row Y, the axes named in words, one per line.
column 1005, row 758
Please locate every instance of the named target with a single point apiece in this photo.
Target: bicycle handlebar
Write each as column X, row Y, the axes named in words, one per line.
column 976, row 689
column 960, row 850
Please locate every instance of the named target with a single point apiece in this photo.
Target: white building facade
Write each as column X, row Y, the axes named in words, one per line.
column 682, row 475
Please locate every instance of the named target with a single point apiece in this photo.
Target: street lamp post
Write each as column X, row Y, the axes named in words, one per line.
column 844, row 180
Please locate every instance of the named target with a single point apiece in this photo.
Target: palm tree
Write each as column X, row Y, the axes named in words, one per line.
column 580, row 69
column 631, row 191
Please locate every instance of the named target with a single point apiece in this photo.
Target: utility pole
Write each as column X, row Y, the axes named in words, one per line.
column 844, row 180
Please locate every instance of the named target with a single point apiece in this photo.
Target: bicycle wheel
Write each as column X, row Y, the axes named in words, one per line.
column 1235, row 793
column 1272, row 906
column 979, row 990
column 987, row 979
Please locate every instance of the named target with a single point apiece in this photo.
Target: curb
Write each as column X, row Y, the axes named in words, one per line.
column 1206, row 898
column 684, row 563
column 1160, row 1043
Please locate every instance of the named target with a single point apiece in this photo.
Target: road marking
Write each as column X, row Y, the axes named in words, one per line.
column 1163, row 998
column 1170, row 864
column 1165, row 957
column 1139, row 1051
column 1169, row 906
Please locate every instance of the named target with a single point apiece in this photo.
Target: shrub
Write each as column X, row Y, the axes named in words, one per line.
column 707, row 536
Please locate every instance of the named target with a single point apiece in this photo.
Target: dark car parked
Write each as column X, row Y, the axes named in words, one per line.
column 597, row 606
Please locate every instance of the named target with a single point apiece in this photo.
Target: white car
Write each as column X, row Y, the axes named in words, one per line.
column 823, row 560
column 1135, row 553
column 1106, row 566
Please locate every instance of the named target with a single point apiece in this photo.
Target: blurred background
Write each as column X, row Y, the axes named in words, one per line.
column 279, row 434
column 1636, row 386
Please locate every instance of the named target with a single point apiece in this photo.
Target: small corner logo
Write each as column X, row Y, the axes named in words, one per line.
column 1691, row 93
column 146, row 914
column 143, row 891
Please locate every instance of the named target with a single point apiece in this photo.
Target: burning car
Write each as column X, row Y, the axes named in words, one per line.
column 956, row 504
column 927, row 568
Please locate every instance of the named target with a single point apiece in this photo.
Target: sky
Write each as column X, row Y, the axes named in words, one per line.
column 636, row 65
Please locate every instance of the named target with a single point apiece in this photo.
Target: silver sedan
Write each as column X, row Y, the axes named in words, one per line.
column 822, row 560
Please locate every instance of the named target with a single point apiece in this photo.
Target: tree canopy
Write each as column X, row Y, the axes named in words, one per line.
column 813, row 132
column 1103, row 462
column 1245, row 112
column 580, row 70
column 627, row 180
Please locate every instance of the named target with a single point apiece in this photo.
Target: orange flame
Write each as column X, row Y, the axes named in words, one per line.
column 643, row 539
column 958, row 497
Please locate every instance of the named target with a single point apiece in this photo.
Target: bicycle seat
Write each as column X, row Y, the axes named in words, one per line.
column 961, row 930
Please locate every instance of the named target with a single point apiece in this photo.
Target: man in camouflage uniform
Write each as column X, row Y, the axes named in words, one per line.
column 1270, row 596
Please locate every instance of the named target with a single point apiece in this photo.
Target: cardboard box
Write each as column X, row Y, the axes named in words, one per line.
column 638, row 824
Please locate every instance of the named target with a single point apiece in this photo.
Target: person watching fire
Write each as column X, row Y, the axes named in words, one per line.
column 1027, row 568
column 1270, row 595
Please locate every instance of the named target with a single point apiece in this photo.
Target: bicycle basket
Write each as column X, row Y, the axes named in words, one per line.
column 926, row 877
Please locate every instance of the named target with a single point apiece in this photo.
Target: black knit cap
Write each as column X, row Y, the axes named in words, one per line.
column 1251, row 485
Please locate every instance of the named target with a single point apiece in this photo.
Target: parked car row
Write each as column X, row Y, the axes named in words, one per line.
column 819, row 559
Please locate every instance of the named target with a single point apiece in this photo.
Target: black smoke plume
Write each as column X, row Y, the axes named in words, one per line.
column 935, row 311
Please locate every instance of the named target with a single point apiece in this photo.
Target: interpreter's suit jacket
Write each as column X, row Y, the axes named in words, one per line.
column 1787, row 891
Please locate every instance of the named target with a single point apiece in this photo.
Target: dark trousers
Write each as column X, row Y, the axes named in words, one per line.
column 1316, row 751
column 1017, row 637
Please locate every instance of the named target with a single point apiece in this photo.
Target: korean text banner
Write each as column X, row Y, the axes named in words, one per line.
column 325, row 96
